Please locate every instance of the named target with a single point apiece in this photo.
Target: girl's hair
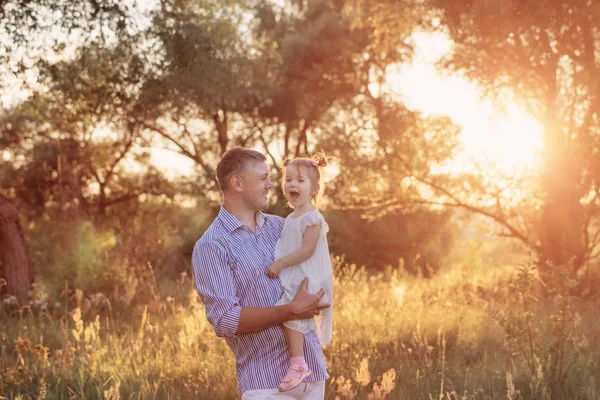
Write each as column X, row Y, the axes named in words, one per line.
column 313, row 167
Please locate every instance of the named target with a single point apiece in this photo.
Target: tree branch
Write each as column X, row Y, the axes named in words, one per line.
column 266, row 146
column 182, row 150
column 126, row 149
column 513, row 232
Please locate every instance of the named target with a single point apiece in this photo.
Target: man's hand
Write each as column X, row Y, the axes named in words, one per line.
column 274, row 270
column 307, row 305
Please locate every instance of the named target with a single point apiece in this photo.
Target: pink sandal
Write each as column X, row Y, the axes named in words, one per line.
column 289, row 382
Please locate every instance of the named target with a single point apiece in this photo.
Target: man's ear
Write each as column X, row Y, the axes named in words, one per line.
column 236, row 183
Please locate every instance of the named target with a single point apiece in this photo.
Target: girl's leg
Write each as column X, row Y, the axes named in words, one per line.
column 295, row 341
column 298, row 369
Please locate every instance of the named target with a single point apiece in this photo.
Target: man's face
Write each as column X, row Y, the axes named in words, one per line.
column 256, row 185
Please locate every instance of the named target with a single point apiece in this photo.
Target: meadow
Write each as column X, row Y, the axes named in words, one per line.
column 467, row 333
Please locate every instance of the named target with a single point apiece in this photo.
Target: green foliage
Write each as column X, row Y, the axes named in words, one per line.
column 31, row 26
column 403, row 240
column 544, row 328
column 204, row 78
column 61, row 158
column 134, row 245
column 90, row 245
column 74, row 252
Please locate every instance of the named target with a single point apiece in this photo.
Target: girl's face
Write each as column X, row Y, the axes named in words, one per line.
column 297, row 187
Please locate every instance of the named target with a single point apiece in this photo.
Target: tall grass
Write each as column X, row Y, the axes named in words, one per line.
column 464, row 334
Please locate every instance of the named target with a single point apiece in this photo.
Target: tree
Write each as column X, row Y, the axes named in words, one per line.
column 76, row 135
column 198, row 90
column 279, row 87
column 546, row 57
column 30, row 35
column 217, row 89
column 305, row 78
column 15, row 266
column 206, row 77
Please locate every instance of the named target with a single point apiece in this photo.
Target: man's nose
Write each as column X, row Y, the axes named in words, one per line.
column 269, row 185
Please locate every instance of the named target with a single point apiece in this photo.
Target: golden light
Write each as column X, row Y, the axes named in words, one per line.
column 171, row 164
column 499, row 135
column 399, row 292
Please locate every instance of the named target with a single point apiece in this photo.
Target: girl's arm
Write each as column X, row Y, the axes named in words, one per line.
column 310, row 238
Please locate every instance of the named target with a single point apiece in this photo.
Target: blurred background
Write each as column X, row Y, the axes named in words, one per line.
column 463, row 194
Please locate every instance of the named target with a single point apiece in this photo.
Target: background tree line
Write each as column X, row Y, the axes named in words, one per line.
column 200, row 77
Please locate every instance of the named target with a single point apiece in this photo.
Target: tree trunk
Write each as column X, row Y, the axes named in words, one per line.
column 16, row 267
column 562, row 224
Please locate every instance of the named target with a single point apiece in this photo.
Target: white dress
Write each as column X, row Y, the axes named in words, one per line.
column 317, row 268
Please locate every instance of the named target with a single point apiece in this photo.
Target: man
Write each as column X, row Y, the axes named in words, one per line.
column 229, row 264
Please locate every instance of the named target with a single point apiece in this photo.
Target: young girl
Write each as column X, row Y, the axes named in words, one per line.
column 302, row 251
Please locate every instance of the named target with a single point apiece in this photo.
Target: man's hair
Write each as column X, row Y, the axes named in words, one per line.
column 234, row 162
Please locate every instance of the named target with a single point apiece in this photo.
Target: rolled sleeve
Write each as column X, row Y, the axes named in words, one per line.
column 216, row 286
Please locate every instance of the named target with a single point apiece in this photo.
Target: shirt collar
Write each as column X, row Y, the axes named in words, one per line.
column 231, row 222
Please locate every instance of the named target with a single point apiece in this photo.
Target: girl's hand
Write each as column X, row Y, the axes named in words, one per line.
column 274, row 270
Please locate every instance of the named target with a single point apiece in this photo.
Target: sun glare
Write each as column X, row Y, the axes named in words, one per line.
column 501, row 136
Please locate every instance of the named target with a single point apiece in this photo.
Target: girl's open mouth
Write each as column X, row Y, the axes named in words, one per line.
column 294, row 194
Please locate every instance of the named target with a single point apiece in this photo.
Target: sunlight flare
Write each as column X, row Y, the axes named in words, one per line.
column 501, row 136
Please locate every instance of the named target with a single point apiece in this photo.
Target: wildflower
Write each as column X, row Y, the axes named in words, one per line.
column 19, row 375
column 43, row 391
column 363, row 376
column 344, row 387
column 381, row 391
column 41, row 351
column 22, row 346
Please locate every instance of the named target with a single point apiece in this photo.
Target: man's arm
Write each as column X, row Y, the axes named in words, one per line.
column 216, row 286
column 304, row 305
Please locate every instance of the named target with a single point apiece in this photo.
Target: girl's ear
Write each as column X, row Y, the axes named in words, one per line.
column 236, row 183
column 316, row 191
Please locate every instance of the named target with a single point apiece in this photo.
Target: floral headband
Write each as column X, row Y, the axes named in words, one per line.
column 315, row 164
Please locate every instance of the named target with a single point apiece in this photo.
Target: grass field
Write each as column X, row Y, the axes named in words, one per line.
column 468, row 333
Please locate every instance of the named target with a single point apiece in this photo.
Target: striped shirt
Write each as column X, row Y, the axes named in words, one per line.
column 229, row 263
